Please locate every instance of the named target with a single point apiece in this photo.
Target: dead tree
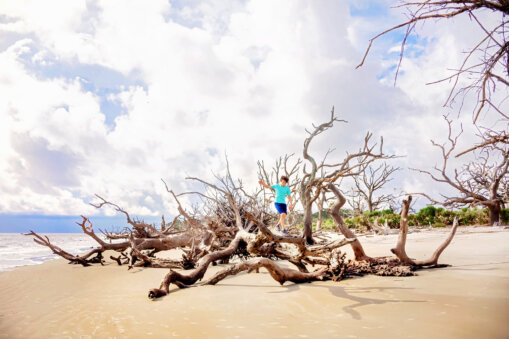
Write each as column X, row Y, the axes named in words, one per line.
column 277, row 272
column 482, row 182
column 373, row 179
column 226, row 201
column 319, row 175
column 357, row 248
column 492, row 49
column 356, row 202
column 485, row 66
column 400, row 251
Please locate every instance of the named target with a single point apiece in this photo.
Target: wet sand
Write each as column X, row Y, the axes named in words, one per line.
column 467, row 300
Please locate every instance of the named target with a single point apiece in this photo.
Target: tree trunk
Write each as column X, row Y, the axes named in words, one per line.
column 357, row 248
column 319, row 221
column 307, row 231
column 320, row 203
column 495, row 211
column 400, row 250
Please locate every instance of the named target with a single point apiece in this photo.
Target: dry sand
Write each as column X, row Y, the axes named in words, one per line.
column 468, row 300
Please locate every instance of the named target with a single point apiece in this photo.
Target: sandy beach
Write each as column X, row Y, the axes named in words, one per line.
column 470, row 299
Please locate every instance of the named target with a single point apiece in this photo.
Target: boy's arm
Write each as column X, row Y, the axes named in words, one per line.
column 290, row 202
column 264, row 184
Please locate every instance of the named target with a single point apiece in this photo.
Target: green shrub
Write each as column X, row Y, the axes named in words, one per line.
column 437, row 217
column 504, row 216
column 372, row 214
column 467, row 217
column 324, row 214
column 412, row 221
column 349, row 223
column 394, row 220
column 328, row 224
column 426, row 215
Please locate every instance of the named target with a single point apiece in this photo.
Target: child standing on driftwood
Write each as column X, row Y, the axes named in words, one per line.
column 282, row 191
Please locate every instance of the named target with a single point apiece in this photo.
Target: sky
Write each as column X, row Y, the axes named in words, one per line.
column 108, row 97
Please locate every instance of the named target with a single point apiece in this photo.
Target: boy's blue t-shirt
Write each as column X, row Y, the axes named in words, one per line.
column 281, row 193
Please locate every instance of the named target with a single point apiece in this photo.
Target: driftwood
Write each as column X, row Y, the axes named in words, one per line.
column 185, row 280
column 73, row 259
column 233, row 224
column 400, row 251
column 357, row 248
column 203, row 242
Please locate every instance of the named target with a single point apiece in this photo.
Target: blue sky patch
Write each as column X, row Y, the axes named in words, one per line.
column 177, row 14
column 22, row 223
column 368, row 8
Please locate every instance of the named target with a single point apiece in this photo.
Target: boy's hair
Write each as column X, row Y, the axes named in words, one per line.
column 285, row 178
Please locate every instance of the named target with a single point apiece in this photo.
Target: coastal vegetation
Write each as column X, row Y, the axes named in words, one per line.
column 425, row 217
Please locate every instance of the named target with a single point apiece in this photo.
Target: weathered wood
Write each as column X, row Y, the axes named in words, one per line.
column 340, row 223
column 400, row 251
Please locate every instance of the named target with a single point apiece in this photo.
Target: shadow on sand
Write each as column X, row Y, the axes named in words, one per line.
column 345, row 292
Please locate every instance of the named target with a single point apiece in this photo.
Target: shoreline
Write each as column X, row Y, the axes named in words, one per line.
column 466, row 300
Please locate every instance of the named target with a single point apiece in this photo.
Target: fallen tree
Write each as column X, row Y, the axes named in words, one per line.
column 260, row 249
column 235, row 224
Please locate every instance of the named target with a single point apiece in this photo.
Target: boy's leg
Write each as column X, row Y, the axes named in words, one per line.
column 282, row 221
column 278, row 223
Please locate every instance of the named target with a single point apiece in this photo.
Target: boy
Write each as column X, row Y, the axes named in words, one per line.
column 281, row 192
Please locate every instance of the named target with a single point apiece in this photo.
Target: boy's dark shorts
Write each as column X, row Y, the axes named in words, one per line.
column 281, row 208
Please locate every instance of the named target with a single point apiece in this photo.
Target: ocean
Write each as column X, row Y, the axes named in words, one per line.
column 20, row 250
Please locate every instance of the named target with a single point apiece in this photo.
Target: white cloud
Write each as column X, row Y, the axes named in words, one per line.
column 245, row 78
